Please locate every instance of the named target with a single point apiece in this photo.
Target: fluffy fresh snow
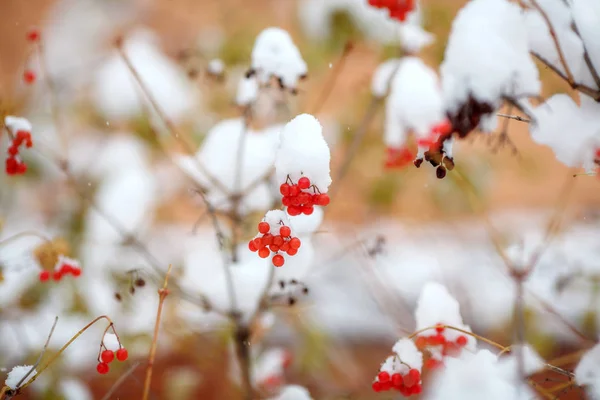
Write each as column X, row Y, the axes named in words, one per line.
column 17, row 373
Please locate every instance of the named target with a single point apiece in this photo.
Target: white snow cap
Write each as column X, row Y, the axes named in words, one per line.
column 532, row 362
column 219, row 156
column 382, row 77
column 483, row 32
column 307, row 224
column 247, row 91
column 303, row 152
column 16, row 375
column 437, row 306
column 408, row 353
column 474, row 377
column 587, row 372
column 16, row 124
column 293, row 392
column 276, row 219
column 413, row 37
column 572, row 132
column 586, row 14
column 414, row 103
column 111, row 341
column 275, row 54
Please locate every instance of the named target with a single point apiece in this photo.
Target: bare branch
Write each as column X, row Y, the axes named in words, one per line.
column 120, row 381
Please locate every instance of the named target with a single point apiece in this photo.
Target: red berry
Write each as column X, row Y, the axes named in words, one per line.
column 57, row 275
column 263, row 227
column 307, row 210
column 412, row 378
column 383, row 377
column 66, row 269
column 285, row 247
column 267, row 240
column 102, row 368
column 295, row 243
column 462, row 341
column 323, row 199
column 29, row 76
column 107, row 356
column 44, row 276
column 397, row 380
column 421, row 342
column 274, row 248
column 13, row 150
column 285, row 231
column 439, row 328
column 386, row 385
column 294, row 190
column 292, row 252
column 294, row 210
column 278, row 240
column 304, row 183
column 598, row 153
column 258, row 243
column 76, row 272
column 278, row 260
column 304, row 198
column 252, row 246
column 432, row 363
column 33, row 35
column 416, row 389
column 122, row 354
column 284, row 189
column 264, row 252
column 376, row 386
column 286, row 201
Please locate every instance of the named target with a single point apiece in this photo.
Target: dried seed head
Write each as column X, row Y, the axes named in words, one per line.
column 118, row 296
column 139, row 282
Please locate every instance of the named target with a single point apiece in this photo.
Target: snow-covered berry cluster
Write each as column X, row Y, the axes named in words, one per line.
column 110, row 348
column 442, row 344
column 401, row 371
column 398, row 9
column 64, row 266
column 19, row 130
column 298, row 199
column 275, row 236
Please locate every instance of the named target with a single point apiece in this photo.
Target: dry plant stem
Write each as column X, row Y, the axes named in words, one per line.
column 360, row 134
column 120, row 381
column 41, row 353
column 330, row 84
column 168, row 123
column 23, row 234
column 242, row 348
column 515, row 117
column 519, row 321
column 162, row 295
column 62, row 349
column 586, row 56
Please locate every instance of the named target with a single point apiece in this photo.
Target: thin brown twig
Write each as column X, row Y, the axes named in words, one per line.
column 41, row 353
column 120, row 381
column 515, row 117
column 162, row 295
column 330, row 84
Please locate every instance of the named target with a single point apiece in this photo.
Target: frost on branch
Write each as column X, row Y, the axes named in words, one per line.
column 302, row 165
column 275, row 236
column 275, row 55
column 17, row 374
column 219, row 157
column 571, row 131
column 587, row 372
column 436, row 307
column 402, row 370
column 474, row 81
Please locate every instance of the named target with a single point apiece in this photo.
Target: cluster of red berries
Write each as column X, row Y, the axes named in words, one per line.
column 64, row 269
column 398, row 157
column 407, row 384
column 299, row 202
column 398, row 9
column 107, row 356
column 449, row 348
column 268, row 243
column 14, row 165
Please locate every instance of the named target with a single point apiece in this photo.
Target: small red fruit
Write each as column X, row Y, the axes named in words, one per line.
column 102, row 368
column 274, row 248
column 285, row 231
column 66, row 269
column 252, row 246
column 323, row 199
column 278, row 260
column 57, row 275
column 44, row 276
column 421, row 342
column 307, row 210
column 76, row 272
column 258, row 243
column 284, row 189
column 107, row 356
column 295, row 243
column 267, row 239
column 278, row 240
column 122, row 354
column 461, row 341
column 292, row 252
column 376, row 386
column 294, row 190
column 304, row 183
column 397, row 380
column 383, row 376
column 33, row 35
column 29, row 76
column 412, row 378
column 294, row 210
column 263, row 227
column 264, row 252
